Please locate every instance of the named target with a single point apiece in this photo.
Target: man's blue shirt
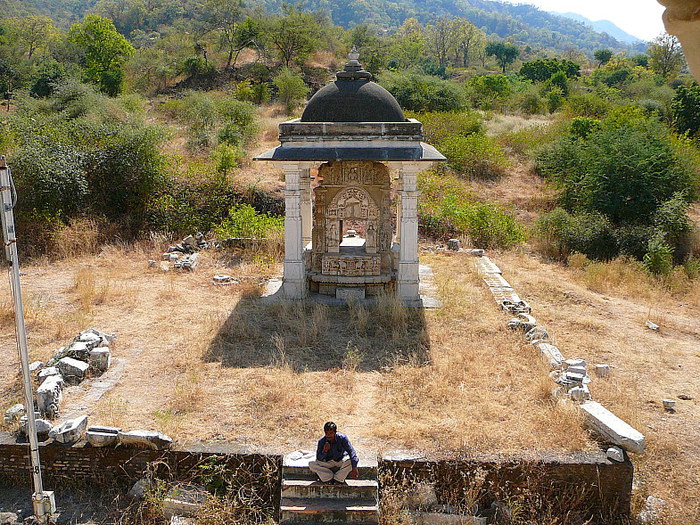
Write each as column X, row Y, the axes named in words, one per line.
column 340, row 448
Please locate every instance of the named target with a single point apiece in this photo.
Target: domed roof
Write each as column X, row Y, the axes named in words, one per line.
column 353, row 97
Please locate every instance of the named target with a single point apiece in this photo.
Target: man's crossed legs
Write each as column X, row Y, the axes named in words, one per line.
column 331, row 470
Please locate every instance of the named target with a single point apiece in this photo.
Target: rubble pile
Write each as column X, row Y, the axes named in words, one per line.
column 184, row 256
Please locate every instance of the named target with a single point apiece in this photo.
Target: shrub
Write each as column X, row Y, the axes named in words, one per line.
column 438, row 126
column 672, row 221
column 659, row 257
column 588, row 105
column 543, row 69
column 555, row 99
column 633, row 239
column 245, row 221
column 488, row 89
column 423, row 93
column 290, row 88
column 588, row 233
column 581, row 127
column 49, row 75
column 686, row 109
column 475, row 156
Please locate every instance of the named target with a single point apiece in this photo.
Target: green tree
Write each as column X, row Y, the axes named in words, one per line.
column 686, row 109
column 225, row 17
column 469, row 41
column 442, row 39
column 294, row 36
column 290, row 88
column 603, row 56
column 665, row 56
column 104, row 52
column 504, row 52
column 33, row 33
column 543, row 69
column 408, row 44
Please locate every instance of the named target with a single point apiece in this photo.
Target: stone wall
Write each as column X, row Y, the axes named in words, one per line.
column 584, row 484
column 82, row 464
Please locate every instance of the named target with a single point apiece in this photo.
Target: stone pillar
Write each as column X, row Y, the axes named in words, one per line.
column 294, row 274
column 306, row 213
column 408, row 233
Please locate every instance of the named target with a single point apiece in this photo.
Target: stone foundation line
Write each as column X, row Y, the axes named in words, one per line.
column 570, row 375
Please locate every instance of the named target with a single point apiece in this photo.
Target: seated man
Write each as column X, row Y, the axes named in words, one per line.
column 335, row 457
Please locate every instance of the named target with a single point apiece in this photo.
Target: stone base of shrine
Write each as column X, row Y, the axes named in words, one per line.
column 350, row 287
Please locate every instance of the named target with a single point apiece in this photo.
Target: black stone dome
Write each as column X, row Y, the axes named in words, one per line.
column 353, row 101
column 353, row 98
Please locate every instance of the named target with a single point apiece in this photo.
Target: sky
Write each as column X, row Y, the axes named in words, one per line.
column 640, row 18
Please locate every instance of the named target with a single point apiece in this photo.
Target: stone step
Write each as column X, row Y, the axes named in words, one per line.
column 306, row 488
column 299, row 468
column 313, row 510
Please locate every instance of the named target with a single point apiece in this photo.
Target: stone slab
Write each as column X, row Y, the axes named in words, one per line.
column 495, row 280
column 551, row 353
column 484, row 265
column 70, row 431
column 612, row 428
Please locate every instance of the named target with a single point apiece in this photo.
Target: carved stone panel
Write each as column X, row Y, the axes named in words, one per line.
column 351, row 266
column 347, row 173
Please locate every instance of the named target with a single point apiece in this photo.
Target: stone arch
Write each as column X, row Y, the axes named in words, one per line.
column 353, row 203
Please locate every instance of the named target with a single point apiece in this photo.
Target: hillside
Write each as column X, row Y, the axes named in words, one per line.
column 526, row 24
column 603, row 26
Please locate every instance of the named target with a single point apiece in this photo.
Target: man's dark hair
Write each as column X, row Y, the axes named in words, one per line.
column 330, row 426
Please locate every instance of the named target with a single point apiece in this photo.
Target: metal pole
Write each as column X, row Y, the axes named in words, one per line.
column 8, row 198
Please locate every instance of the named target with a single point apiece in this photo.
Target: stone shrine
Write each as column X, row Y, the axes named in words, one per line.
column 340, row 238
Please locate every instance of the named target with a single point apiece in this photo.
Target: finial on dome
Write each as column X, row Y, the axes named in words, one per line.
column 353, row 69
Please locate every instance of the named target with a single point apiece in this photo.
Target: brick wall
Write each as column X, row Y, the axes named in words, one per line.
column 587, row 485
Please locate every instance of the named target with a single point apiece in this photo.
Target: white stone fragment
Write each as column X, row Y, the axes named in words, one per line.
column 152, row 263
column 43, row 426
column 107, row 339
column 580, row 393
column 100, row 358
column 36, row 365
column 70, row 431
column 72, row 370
column 13, row 413
column 652, row 326
column 476, row 252
column 602, row 370
column 47, row 372
column 615, row 454
column 173, row 257
column 574, row 362
column 145, row 439
column 102, row 436
column 612, row 428
column 49, row 395
column 538, row 333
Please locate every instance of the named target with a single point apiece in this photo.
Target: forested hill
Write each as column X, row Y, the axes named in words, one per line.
column 525, row 23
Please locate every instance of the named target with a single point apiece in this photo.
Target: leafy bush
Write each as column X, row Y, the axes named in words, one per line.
column 686, row 109
column 438, row 126
column 447, row 209
column 291, row 89
column 475, row 156
column 659, row 257
column 624, row 171
column 417, row 92
column 245, row 221
column 488, row 89
column 588, row 233
column 588, row 105
column 543, row 69
column 633, row 239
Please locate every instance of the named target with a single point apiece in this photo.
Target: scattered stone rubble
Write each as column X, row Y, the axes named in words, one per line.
column 571, row 375
column 422, row 508
column 184, row 256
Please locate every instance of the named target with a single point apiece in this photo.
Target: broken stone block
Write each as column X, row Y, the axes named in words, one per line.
column 36, row 365
column 577, row 370
column 574, row 362
column 107, row 339
column 652, row 326
column 43, row 427
column 602, row 370
column 615, row 454
column 100, row 359
column 152, row 263
column 165, row 256
column 476, row 252
column 173, row 257
column 70, row 431
column 73, row 370
column 13, row 413
column 145, row 439
column 580, row 393
column 49, row 395
column 184, row 500
column 102, row 436
column 669, row 405
column 612, row 428
column 47, row 372
column 139, row 489
column 190, row 241
column 188, row 262
column 551, row 353
column 79, row 350
column 538, row 333
column 222, row 279
column 9, row 518
column 523, row 322
column 453, row 244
